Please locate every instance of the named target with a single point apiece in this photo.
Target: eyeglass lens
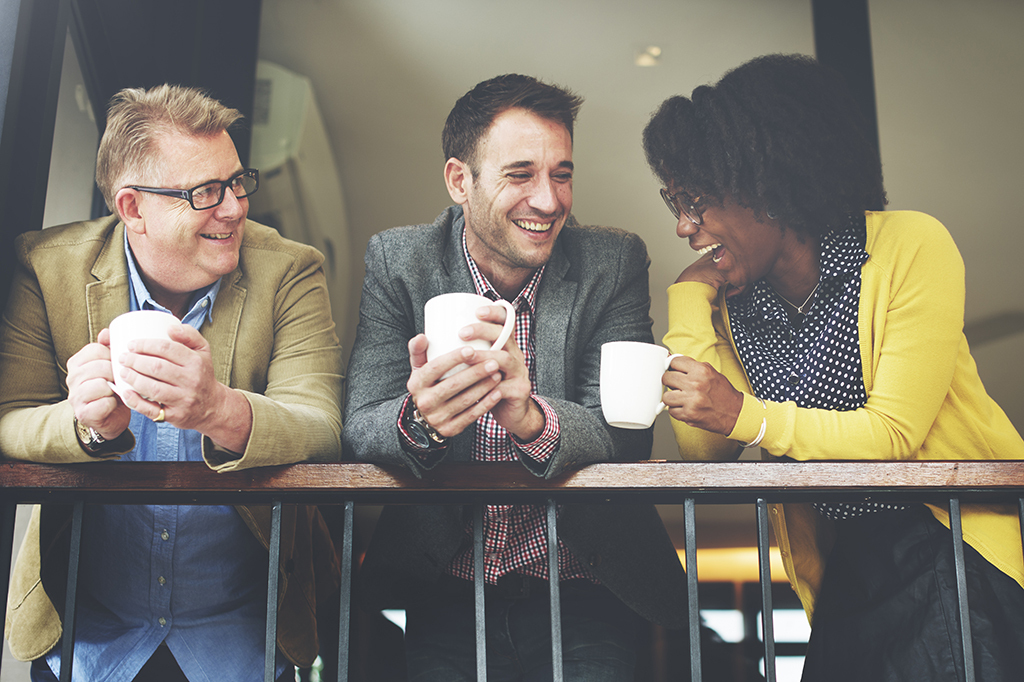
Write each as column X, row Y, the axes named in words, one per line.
column 679, row 207
column 212, row 193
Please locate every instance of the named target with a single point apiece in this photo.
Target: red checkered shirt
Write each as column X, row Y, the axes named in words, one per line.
column 515, row 535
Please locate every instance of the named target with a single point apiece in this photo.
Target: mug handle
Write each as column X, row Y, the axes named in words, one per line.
column 510, row 324
column 668, row 361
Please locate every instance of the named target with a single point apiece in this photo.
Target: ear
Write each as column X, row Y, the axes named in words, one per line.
column 458, row 178
column 126, row 202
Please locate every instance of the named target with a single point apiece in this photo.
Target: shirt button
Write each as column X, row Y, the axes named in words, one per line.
column 492, row 558
column 163, row 622
column 204, row 303
column 164, row 535
column 162, row 580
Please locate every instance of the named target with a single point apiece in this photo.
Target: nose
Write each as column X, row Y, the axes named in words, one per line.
column 545, row 197
column 685, row 227
column 232, row 208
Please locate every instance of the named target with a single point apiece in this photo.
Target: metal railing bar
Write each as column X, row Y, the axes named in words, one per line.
column 67, row 651
column 956, row 526
column 8, row 513
column 274, row 567
column 1020, row 514
column 554, row 594
column 693, row 605
column 478, row 592
column 765, row 580
column 345, row 609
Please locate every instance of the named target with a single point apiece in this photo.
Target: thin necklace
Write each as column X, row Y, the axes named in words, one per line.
column 800, row 308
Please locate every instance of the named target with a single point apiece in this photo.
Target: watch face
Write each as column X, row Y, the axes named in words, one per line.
column 419, row 435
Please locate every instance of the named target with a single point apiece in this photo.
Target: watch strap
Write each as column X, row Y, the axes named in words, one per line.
column 88, row 437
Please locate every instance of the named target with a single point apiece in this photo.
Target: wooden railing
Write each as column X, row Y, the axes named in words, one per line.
column 683, row 483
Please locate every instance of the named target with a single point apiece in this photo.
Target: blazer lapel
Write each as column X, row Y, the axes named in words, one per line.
column 108, row 296
column 454, row 275
column 221, row 328
column 556, row 298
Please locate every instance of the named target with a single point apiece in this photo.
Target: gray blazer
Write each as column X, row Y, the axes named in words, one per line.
column 594, row 290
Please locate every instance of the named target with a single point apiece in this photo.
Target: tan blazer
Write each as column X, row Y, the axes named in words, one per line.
column 271, row 337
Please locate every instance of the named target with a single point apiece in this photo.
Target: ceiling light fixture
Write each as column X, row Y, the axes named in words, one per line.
column 649, row 56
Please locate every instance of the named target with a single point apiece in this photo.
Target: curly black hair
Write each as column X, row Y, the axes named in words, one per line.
column 780, row 134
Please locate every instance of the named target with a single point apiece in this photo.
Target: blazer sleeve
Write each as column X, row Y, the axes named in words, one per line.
column 379, row 365
column 296, row 416
column 619, row 313
column 36, row 419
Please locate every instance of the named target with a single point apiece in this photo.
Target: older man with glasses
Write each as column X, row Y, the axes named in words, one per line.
column 250, row 377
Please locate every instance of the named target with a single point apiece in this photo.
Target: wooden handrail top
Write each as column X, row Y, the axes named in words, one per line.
column 651, row 481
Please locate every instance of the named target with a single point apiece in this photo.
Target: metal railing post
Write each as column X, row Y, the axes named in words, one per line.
column 765, row 579
column 1020, row 514
column 693, row 605
column 554, row 593
column 67, row 651
column 273, row 570
column 345, row 608
column 956, row 527
column 478, row 592
column 8, row 513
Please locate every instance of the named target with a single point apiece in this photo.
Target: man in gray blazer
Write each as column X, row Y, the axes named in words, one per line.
column 508, row 145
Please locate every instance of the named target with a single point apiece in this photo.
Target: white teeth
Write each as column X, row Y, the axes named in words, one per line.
column 708, row 249
column 533, row 227
column 217, row 236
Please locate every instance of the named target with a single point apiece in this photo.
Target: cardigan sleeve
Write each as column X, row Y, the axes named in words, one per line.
column 696, row 329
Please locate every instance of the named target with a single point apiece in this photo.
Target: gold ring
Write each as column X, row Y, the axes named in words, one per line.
column 160, row 417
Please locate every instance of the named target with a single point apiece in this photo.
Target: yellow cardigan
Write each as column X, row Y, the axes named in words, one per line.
column 925, row 398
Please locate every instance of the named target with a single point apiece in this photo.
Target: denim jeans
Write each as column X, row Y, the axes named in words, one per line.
column 161, row 667
column 599, row 635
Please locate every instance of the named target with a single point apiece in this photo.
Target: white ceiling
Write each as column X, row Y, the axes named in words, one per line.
column 948, row 75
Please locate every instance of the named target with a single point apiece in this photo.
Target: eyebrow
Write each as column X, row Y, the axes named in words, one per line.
column 529, row 164
column 233, row 175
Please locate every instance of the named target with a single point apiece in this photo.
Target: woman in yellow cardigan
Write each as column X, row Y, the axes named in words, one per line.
column 818, row 327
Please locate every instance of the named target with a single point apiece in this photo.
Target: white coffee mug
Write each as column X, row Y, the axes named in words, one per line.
column 631, row 385
column 445, row 315
column 138, row 324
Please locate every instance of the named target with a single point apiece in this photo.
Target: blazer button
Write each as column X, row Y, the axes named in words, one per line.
column 595, row 560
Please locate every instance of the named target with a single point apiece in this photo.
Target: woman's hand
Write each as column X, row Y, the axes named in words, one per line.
column 703, row 270
column 701, row 396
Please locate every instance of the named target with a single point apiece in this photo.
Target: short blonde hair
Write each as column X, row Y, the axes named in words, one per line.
column 137, row 117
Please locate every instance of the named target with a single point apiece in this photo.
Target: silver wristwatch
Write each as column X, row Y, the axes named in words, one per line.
column 423, row 434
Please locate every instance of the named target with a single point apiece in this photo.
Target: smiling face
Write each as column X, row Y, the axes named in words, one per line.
column 742, row 248
column 178, row 249
column 519, row 199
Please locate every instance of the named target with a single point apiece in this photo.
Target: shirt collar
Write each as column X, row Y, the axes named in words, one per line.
column 527, row 296
column 200, row 309
column 842, row 250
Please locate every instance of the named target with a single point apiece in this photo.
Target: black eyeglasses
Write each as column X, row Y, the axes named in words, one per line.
column 678, row 206
column 211, row 194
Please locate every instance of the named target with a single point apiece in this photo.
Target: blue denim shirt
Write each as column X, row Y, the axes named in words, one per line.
column 191, row 576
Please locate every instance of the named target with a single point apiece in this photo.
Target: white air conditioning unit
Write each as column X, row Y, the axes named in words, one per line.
column 300, row 190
